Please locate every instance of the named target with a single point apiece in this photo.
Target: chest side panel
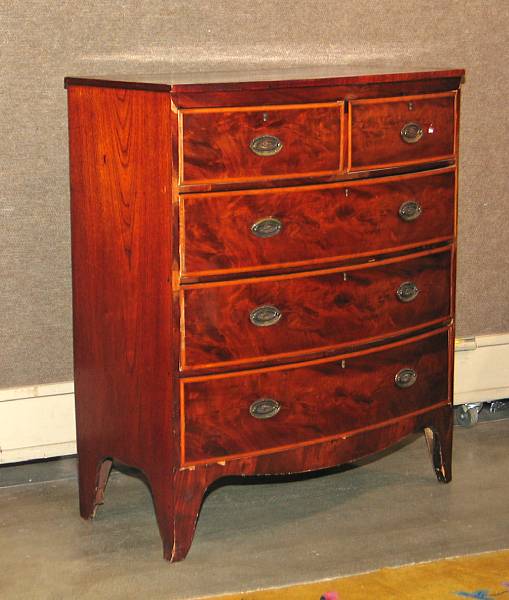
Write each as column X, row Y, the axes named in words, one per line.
column 121, row 253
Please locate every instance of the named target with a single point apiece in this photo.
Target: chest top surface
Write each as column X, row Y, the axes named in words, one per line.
column 253, row 78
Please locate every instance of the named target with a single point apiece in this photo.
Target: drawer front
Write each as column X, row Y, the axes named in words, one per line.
column 397, row 131
column 287, row 315
column 237, row 144
column 249, row 413
column 242, row 231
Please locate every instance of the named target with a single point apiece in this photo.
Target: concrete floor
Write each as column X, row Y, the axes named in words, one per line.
column 389, row 511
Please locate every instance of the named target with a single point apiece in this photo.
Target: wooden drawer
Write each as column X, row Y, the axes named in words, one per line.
column 259, row 142
column 386, row 132
column 314, row 401
column 260, row 318
column 226, row 231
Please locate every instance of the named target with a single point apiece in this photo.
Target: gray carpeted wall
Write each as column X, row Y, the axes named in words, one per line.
column 43, row 40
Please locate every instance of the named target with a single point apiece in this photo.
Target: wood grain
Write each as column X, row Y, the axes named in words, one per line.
column 375, row 126
column 319, row 310
column 122, row 261
column 319, row 223
column 215, row 143
column 316, row 402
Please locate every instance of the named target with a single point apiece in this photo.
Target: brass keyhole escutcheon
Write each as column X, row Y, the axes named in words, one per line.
column 407, row 291
column 266, row 228
column 410, row 210
column 265, row 316
column 405, row 378
column 411, row 133
column 266, row 145
column 264, row 408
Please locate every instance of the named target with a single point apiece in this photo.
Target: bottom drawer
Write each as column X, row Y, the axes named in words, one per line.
column 245, row 413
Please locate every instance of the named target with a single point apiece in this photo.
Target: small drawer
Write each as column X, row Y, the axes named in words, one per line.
column 259, row 142
column 260, row 318
column 388, row 132
column 231, row 415
column 246, row 231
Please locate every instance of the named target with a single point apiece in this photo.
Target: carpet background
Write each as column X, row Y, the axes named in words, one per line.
column 44, row 40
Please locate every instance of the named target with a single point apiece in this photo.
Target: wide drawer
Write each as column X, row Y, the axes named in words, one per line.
column 259, row 142
column 260, row 318
column 386, row 132
column 243, row 231
column 248, row 413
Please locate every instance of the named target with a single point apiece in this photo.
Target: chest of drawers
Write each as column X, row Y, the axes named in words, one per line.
column 263, row 275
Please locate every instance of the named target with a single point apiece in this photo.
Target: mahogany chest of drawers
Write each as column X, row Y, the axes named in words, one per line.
column 263, row 275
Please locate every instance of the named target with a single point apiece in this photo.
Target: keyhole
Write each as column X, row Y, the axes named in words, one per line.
column 265, row 117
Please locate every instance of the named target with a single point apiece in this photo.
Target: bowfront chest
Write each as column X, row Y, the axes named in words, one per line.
column 263, row 275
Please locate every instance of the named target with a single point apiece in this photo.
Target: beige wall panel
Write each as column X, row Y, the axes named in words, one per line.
column 43, row 40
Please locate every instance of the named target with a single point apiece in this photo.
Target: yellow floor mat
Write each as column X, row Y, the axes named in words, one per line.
column 482, row 576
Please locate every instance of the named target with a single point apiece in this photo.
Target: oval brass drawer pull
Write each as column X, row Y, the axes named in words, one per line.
column 264, row 316
column 405, row 378
column 266, row 145
column 264, row 408
column 411, row 133
column 410, row 210
column 407, row 291
column 266, row 228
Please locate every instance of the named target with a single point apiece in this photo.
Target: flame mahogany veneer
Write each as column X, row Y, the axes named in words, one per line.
column 324, row 223
column 312, row 136
column 319, row 310
column 263, row 276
